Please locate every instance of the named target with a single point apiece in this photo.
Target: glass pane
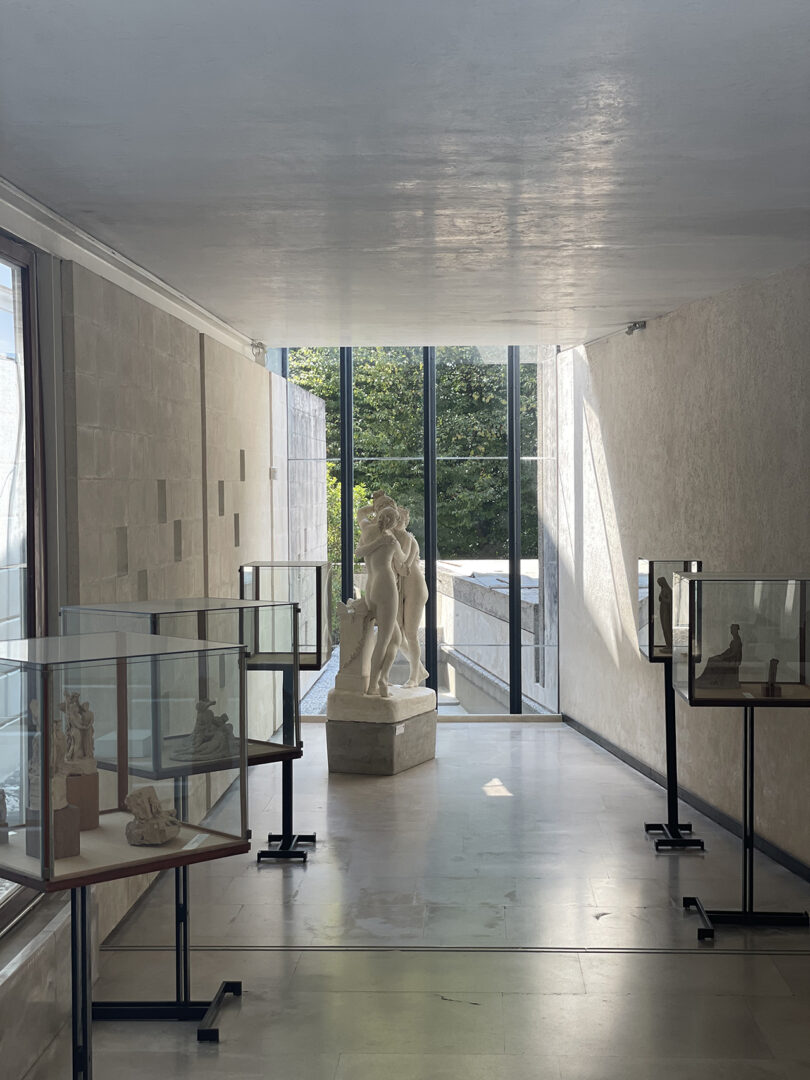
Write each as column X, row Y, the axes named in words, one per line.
column 13, row 520
column 538, row 494
column 473, row 538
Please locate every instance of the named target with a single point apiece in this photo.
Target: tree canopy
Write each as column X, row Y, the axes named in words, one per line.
column 470, row 440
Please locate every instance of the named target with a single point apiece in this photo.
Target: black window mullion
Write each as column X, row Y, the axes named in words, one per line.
column 346, row 476
column 431, row 527
column 513, row 482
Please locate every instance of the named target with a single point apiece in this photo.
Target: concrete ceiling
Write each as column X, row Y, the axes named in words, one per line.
column 335, row 171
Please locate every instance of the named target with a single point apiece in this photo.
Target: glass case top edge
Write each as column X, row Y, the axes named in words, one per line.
column 183, row 606
column 113, row 645
column 282, row 564
column 741, row 577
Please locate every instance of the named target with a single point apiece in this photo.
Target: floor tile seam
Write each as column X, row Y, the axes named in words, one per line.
column 528, row 950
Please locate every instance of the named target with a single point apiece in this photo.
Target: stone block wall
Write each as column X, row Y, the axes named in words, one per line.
column 133, row 445
column 237, row 465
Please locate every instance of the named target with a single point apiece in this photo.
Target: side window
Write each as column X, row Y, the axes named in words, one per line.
column 16, row 512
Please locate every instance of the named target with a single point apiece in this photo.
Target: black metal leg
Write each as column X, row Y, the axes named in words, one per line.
column 286, row 842
column 81, row 983
column 672, row 838
column 183, row 1007
column 182, row 956
column 746, row 916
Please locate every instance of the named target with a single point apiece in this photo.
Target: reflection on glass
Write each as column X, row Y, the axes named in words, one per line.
column 13, row 518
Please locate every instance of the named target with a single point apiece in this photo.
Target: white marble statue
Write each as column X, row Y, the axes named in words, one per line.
column 80, row 752
column 211, row 739
column 152, row 825
column 413, row 594
column 384, row 559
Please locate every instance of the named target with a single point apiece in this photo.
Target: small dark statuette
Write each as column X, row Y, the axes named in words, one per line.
column 665, row 610
column 722, row 672
column 770, row 689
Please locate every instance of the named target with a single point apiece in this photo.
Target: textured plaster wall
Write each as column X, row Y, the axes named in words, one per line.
column 689, row 439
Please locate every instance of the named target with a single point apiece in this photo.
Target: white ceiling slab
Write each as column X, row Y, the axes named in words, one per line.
column 335, row 171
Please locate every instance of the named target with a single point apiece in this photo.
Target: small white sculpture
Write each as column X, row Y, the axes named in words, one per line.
column 34, row 757
column 80, row 748
column 59, row 769
column 356, row 643
column 384, row 558
column 152, row 825
column 211, row 739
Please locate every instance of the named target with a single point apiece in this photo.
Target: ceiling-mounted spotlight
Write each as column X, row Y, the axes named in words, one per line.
column 633, row 326
column 258, row 348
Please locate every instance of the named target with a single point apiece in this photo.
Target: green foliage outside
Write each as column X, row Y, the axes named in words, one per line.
column 470, row 441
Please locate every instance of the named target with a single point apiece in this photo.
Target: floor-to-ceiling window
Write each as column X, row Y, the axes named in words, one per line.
column 468, row 447
column 17, row 598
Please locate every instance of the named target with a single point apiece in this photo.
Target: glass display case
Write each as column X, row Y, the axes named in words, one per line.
column 655, row 604
column 738, row 639
column 120, row 753
column 307, row 584
column 267, row 629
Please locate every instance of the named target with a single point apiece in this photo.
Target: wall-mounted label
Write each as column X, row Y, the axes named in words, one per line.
column 400, row 729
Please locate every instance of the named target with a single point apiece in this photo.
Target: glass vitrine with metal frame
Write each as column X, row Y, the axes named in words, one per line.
column 740, row 639
column 129, row 756
column 654, row 606
column 307, row 584
column 269, row 632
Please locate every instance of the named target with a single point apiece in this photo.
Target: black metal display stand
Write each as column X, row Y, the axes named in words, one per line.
column 746, row 915
column 672, row 831
column 284, row 845
column 183, row 1007
column 81, row 983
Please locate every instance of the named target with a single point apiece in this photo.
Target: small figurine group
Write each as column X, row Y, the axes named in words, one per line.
column 211, row 739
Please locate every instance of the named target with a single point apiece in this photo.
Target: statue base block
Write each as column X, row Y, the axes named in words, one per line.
column 381, row 748
column 82, row 791
column 364, row 709
column 3, row 834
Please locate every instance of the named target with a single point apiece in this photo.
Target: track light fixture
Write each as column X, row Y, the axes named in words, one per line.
column 633, row 326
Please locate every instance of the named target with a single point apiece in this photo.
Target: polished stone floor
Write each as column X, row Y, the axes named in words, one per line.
column 498, row 913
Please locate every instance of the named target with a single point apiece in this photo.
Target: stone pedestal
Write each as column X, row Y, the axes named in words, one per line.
column 82, row 791
column 380, row 749
column 3, row 834
column 65, row 832
column 380, row 736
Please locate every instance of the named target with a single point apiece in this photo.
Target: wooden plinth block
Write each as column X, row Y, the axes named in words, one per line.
column 82, row 791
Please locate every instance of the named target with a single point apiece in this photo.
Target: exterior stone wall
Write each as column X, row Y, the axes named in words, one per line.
column 306, row 456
